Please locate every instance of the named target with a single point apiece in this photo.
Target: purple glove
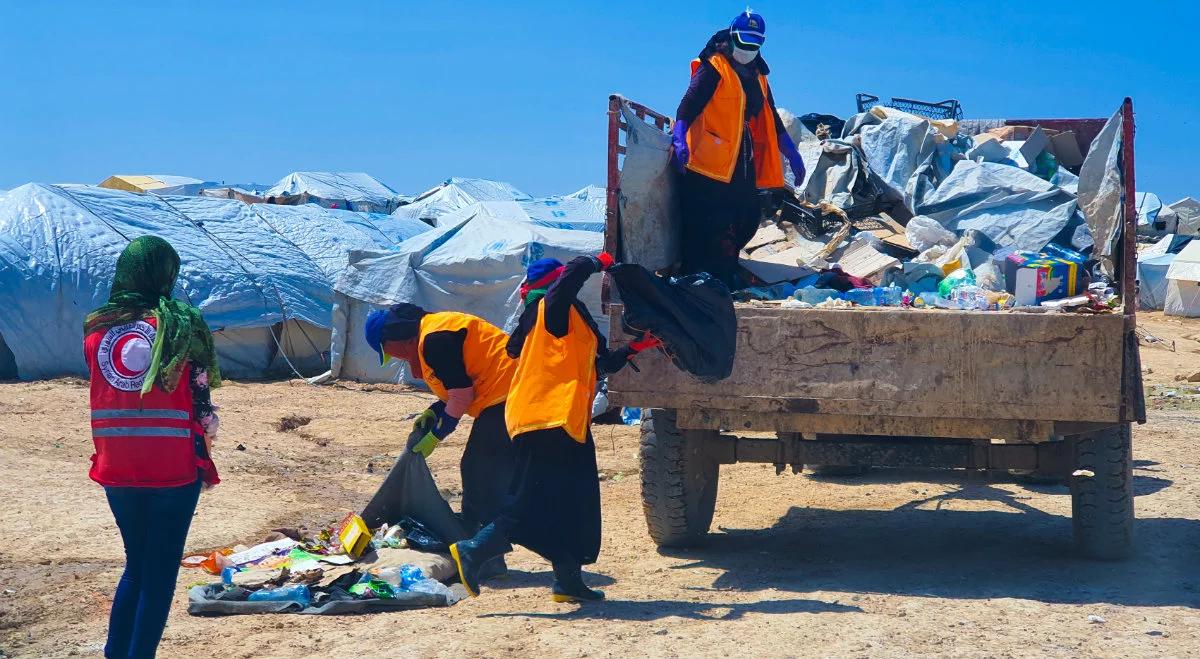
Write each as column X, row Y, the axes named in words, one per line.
column 788, row 147
column 679, row 143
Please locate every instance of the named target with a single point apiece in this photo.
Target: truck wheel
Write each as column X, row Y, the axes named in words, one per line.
column 1102, row 497
column 679, row 480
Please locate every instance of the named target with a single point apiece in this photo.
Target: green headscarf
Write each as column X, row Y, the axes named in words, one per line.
column 146, row 273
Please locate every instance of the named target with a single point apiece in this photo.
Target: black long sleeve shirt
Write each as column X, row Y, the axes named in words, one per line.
column 560, row 298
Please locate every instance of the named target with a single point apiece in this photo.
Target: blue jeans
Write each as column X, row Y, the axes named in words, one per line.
column 154, row 525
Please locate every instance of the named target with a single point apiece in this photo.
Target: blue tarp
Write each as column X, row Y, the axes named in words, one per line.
column 475, row 266
column 551, row 213
column 58, row 251
column 342, row 190
column 1010, row 205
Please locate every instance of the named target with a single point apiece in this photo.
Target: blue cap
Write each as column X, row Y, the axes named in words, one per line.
column 540, row 268
column 373, row 332
column 748, row 30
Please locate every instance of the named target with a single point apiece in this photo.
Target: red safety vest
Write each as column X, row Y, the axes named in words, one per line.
column 141, row 441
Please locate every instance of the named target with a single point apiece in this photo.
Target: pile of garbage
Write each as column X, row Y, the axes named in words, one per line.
column 347, row 568
column 904, row 211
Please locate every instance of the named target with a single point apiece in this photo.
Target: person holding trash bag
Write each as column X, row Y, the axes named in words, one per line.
column 727, row 142
column 151, row 365
column 463, row 360
column 554, row 504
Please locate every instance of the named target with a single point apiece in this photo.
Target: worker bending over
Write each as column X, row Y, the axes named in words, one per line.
column 727, row 140
column 554, row 506
column 463, row 360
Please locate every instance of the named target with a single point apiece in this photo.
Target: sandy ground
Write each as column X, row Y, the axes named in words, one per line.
column 897, row 563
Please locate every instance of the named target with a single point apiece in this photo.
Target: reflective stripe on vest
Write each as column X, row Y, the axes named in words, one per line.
column 98, row 415
column 555, row 381
column 140, row 431
column 715, row 137
column 485, row 357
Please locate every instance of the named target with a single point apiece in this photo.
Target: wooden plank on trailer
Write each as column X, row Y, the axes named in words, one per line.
column 905, row 363
column 708, row 418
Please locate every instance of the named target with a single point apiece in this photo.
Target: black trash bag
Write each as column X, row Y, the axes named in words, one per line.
column 814, row 119
column 419, row 537
column 692, row 316
column 409, row 491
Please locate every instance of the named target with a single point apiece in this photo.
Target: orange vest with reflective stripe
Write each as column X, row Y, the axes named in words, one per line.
column 555, row 381
column 715, row 137
column 487, row 363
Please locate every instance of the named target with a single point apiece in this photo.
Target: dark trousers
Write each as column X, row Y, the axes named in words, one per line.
column 718, row 220
column 554, row 507
column 487, row 467
column 154, row 524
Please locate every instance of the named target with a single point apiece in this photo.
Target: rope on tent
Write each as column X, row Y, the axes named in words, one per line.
column 283, row 237
column 235, row 255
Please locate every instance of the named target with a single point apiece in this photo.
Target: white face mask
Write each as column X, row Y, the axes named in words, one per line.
column 744, row 56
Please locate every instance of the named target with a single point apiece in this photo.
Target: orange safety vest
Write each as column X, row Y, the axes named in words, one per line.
column 555, row 381
column 715, row 137
column 487, row 362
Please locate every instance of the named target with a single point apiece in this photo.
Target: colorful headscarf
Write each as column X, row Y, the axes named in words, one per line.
column 146, row 273
column 538, row 277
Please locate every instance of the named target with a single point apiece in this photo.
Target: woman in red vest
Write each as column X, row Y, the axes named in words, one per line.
column 728, row 142
column 152, row 363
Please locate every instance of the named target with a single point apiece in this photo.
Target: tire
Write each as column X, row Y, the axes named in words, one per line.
column 1102, row 503
column 679, row 481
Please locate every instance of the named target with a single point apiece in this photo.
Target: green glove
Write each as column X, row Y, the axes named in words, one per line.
column 426, row 420
column 426, row 445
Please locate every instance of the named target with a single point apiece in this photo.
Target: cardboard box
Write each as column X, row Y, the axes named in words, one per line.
column 355, row 535
column 1034, row 278
column 1065, row 148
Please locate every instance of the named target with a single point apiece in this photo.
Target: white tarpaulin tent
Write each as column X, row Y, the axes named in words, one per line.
column 342, row 190
column 476, row 266
column 456, row 194
column 552, row 213
column 1187, row 216
column 1152, row 280
column 267, row 301
column 592, row 194
column 1183, row 283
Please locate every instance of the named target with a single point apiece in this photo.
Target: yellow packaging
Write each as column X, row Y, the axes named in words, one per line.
column 355, row 535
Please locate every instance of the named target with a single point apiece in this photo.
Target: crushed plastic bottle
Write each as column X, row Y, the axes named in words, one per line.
column 861, row 296
column 435, row 587
column 815, row 295
column 888, row 296
column 298, row 593
column 409, row 575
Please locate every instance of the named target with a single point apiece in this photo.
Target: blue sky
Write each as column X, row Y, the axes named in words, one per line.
column 417, row 92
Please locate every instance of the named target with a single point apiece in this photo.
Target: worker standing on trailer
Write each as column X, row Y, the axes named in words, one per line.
column 554, row 507
column 151, row 363
column 463, row 360
column 727, row 142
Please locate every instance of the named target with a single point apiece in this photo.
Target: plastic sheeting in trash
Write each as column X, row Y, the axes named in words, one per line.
column 1009, row 205
column 900, row 150
column 456, row 194
column 357, row 190
column 58, row 253
column 650, row 215
column 552, row 213
column 1101, row 190
column 476, row 266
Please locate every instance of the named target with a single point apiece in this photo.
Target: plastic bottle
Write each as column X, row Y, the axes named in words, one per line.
column 227, row 575
column 860, row 296
column 409, row 575
column 815, row 295
column 391, row 575
column 298, row 593
column 432, row 586
column 889, row 296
